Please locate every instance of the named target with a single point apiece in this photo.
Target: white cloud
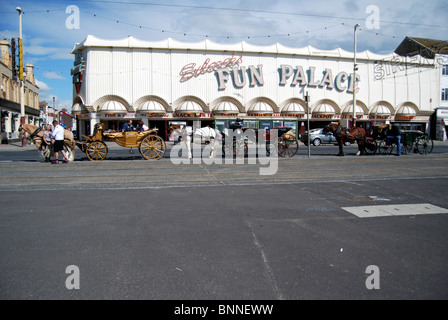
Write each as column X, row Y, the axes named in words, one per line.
column 43, row 87
column 53, row 75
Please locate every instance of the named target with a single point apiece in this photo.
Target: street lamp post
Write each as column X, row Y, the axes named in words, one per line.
column 355, row 68
column 22, row 84
column 307, row 100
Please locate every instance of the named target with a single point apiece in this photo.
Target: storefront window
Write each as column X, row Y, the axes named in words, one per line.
column 412, row 126
column 250, row 123
column 3, row 127
column 220, row 125
column 266, row 124
column 292, row 124
column 277, row 123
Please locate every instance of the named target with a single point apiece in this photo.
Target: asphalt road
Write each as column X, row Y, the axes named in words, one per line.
column 138, row 229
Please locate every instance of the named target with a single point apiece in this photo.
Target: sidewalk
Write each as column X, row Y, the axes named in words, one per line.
column 16, row 146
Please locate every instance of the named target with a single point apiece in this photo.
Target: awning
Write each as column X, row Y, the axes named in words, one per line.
column 152, row 107
column 225, row 107
column 380, row 111
column 77, row 108
column 324, row 109
column 293, row 108
column 349, row 110
column 189, row 107
column 112, row 107
column 261, row 108
column 406, row 111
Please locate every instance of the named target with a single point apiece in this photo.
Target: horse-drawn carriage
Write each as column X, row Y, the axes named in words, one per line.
column 411, row 141
column 366, row 145
column 286, row 145
column 150, row 145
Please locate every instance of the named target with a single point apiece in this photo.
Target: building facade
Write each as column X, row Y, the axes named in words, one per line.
column 10, row 96
column 436, row 50
column 175, row 82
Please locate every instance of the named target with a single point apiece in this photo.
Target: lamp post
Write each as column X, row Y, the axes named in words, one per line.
column 307, row 100
column 22, row 88
column 355, row 68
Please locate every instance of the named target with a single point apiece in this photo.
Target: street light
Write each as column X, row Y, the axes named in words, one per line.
column 22, row 88
column 355, row 68
column 307, row 100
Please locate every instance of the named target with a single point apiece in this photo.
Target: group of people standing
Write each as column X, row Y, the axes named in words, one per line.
column 54, row 139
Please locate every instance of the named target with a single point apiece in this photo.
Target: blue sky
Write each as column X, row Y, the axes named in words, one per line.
column 324, row 24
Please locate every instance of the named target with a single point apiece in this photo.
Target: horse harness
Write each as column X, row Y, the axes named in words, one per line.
column 349, row 135
column 34, row 134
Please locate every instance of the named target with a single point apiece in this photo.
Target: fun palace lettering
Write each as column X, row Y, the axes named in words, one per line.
column 230, row 71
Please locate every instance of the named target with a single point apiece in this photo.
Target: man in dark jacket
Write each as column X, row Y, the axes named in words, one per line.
column 395, row 134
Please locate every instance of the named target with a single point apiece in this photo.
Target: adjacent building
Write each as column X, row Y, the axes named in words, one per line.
column 10, row 96
column 435, row 50
column 169, row 82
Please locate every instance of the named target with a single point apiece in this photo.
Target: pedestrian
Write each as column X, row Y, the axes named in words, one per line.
column 47, row 143
column 58, row 136
column 395, row 134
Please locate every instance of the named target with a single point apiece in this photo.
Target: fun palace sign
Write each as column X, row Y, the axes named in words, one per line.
column 230, row 71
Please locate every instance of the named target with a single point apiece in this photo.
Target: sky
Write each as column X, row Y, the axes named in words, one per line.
column 50, row 29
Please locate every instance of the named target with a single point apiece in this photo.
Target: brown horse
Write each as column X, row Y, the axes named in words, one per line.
column 343, row 135
column 36, row 133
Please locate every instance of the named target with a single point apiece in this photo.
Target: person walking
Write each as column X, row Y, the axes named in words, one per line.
column 395, row 134
column 58, row 136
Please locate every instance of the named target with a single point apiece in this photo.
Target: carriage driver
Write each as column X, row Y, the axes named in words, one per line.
column 58, row 136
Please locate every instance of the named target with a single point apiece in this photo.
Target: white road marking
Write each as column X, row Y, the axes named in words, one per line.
column 395, row 210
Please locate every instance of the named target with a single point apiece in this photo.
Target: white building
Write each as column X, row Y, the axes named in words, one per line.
column 166, row 81
column 435, row 50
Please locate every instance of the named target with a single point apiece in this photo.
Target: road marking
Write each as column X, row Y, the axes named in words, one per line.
column 395, row 210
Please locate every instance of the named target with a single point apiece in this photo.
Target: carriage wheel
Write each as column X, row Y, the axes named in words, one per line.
column 407, row 148
column 287, row 148
column 383, row 148
column 240, row 149
column 370, row 146
column 404, row 149
column 96, row 151
column 424, row 144
column 152, row 147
